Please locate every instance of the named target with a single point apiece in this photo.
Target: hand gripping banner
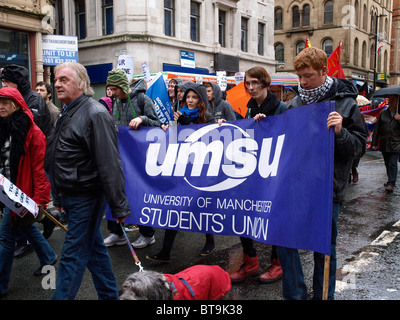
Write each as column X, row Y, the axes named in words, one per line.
column 271, row 181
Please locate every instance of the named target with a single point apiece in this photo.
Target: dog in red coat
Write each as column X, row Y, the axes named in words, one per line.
column 200, row 282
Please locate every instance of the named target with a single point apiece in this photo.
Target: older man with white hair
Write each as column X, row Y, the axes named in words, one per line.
column 83, row 181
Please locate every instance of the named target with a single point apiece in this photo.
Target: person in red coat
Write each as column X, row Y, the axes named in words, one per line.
column 22, row 150
column 199, row 282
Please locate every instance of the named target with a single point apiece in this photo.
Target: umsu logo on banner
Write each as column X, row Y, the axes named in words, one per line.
column 230, row 156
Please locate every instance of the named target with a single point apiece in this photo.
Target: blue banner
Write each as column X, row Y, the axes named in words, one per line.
column 157, row 91
column 271, row 181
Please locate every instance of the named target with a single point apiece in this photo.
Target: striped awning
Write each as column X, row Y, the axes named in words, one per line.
column 285, row 79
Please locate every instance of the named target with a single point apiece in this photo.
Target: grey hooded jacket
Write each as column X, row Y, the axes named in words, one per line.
column 221, row 109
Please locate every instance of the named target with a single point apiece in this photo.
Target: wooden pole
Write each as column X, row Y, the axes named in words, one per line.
column 48, row 215
column 326, row 278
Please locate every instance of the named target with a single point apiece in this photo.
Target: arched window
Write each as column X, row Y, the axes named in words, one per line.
column 372, row 56
column 356, row 13
column 355, row 55
column 327, row 46
column 364, row 55
column 278, row 19
column 385, row 62
column 280, row 52
column 305, row 15
column 295, row 17
column 328, row 12
column 299, row 46
column 373, row 22
column 365, row 18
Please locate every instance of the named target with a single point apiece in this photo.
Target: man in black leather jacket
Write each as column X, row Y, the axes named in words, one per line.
column 85, row 170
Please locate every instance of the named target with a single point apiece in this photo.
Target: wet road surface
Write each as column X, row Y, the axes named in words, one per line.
column 366, row 270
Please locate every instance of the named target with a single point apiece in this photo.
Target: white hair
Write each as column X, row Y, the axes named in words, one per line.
column 81, row 76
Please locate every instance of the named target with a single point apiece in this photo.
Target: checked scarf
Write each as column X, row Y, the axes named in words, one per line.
column 313, row 95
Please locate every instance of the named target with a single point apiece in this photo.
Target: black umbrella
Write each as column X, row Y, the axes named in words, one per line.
column 389, row 91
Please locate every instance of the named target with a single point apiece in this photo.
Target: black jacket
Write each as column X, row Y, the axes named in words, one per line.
column 387, row 133
column 350, row 143
column 82, row 156
column 20, row 76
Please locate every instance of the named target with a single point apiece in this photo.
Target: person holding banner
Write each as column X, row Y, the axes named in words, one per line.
column 350, row 142
column 23, row 147
column 131, row 108
column 84, row 167
column 387, row 136
column 263, row 103
column 194, row 110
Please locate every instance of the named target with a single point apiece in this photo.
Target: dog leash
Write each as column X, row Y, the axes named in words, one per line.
column 135, row 257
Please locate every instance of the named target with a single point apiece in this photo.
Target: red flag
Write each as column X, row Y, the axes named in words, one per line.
column 334, row 67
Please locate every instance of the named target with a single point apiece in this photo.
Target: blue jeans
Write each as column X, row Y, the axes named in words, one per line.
column 84, row 247
column 8, row 236
column 293, row 286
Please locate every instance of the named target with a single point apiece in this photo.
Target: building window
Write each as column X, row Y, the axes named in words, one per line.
column 280, row 53
column 328, row 12
column 365, row 18
column 327, row 46
column 295, row 17
column 385, row 62
column 356, row 45
column 364, row 55
column 305, row 16
column 169, row 18
column 194, row 21
column 300, row 46
column 372, row 56
column 261, row 28
column 221, row 27
column 14, row 48
column 80, row 16
column 278, row 18
column 108, row 17
column 244, row 31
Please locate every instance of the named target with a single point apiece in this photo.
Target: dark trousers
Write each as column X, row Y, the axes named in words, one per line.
column 248, row 248
column 391, row 159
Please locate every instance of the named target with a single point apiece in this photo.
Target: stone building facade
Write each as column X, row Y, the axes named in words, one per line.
column 395, row 51
column 22, row 24
column 327, row 23
column 221, row 35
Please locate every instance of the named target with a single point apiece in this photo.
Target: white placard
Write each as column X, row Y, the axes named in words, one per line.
column 15, row 199
column 126, row 63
